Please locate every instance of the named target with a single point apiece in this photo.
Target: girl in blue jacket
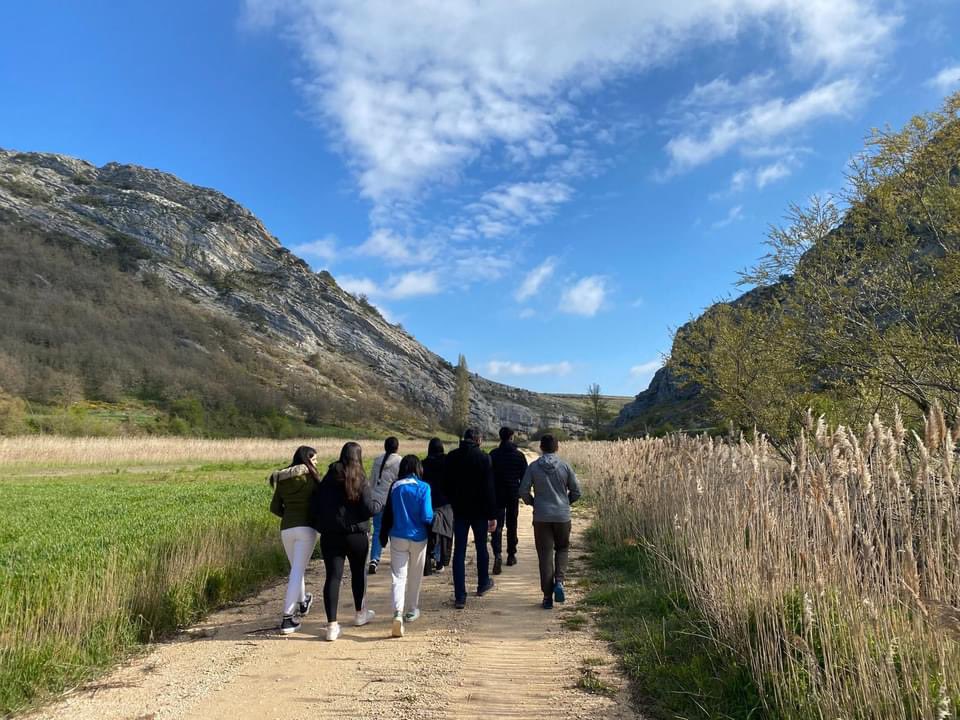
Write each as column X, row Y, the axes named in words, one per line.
column 406, row 523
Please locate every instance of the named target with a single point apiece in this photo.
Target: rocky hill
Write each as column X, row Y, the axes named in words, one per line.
column 215, row 253
column 671, row 402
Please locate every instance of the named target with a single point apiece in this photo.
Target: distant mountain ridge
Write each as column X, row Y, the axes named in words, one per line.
column 215, row 252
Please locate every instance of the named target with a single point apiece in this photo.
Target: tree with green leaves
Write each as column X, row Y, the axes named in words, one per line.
column 461, row 396
column 851, row 313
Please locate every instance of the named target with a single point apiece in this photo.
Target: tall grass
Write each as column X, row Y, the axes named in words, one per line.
column 44, row 451
column 836, row 578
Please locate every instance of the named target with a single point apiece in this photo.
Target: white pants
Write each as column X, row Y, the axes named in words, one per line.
column 299, row 543
column 406, row 579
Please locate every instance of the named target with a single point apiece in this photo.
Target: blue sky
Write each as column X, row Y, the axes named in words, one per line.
column 547, row 187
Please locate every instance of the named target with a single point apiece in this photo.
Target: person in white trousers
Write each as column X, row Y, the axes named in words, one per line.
column 293, row 489
column 407, row 519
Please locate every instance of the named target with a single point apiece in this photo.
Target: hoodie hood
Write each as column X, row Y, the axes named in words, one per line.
column 550, row 463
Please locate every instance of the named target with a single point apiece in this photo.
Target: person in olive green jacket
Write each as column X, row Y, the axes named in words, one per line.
column 292, row 489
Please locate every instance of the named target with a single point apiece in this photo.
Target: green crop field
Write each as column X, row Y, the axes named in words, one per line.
column 92, row 563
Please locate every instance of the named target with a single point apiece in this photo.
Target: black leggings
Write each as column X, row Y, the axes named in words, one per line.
column 335, row 547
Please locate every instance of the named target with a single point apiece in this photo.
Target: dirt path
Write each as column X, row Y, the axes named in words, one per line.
column 502, row 657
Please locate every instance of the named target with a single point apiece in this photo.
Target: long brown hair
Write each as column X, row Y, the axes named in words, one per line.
column 351, row 471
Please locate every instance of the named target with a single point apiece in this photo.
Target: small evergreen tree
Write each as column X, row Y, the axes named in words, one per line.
column 461, row 396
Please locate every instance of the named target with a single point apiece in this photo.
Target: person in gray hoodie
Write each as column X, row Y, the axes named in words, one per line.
column 382, row 475
column 550, row 486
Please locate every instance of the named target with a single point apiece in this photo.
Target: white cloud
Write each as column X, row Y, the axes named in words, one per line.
column 324, row 249
column 761, row 123
column 740, row 180
column 585, row 297
column 513, row 205
column 414, row 93
column 772, row 173
column 358, row 285
column 646, row 369
column 413, row 284
column 733, row 215
column 535, row 278
column 394, row 249
column 496, row 368
column 527, row 313
column 407, row 285
column 760, row 177
column 720, row 92
column 947, row 79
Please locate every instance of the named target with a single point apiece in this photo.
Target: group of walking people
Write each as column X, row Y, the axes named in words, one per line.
column 425, row 510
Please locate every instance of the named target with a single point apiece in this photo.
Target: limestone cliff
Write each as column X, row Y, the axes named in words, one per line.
column 217, row 253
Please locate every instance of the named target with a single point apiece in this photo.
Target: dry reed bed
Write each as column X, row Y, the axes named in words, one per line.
column 48, row 450
column 835, row 577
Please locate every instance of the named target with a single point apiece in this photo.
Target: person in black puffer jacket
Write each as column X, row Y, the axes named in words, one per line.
column 469, row 477
column 509, row 465
column 440, row 542
column 341, row 508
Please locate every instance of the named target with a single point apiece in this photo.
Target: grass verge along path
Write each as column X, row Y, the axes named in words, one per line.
column 676, row 669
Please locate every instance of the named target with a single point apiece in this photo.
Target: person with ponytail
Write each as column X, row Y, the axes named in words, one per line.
column 382, row 475
column 342, row 507
column 293, row 490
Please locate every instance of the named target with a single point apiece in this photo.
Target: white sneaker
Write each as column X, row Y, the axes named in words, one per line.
column 363, row 617
column 333, row 631
column 397, row 625
column 412, row 615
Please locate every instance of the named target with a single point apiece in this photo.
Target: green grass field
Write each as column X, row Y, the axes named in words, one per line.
column 94, row 563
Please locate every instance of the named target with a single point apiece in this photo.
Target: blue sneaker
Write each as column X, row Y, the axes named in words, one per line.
column 547, row 602
column 558, row 593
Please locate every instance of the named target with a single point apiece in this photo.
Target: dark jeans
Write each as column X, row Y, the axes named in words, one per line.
column 335, row 547
column 506, row 516
column 553, row 549
column 461, row 529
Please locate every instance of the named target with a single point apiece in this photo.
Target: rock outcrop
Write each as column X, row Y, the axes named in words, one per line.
column 216, row 252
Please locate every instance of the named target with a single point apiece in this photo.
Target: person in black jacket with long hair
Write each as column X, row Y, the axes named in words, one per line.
column 342, row 506
column 440, row 542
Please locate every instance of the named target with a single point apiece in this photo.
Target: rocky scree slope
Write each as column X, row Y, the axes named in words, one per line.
column 218, row 254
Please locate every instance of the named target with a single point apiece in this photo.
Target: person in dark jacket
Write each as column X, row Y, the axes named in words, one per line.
column 469, row 477
column 440, row 543
column 293, row 489
column 509, row 465
column 342, row 506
